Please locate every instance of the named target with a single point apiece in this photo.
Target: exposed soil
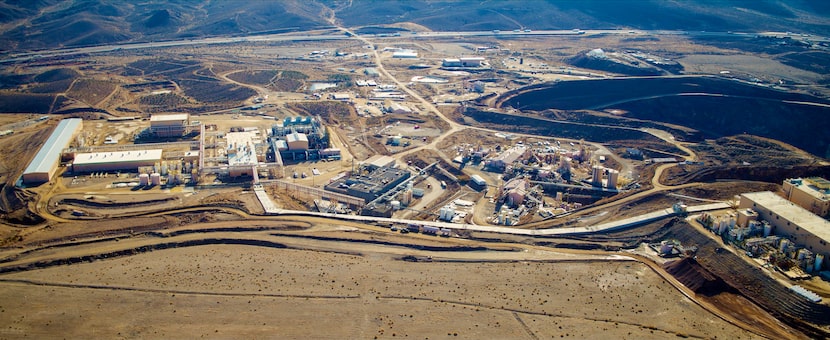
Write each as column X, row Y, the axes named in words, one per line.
column 274, row 285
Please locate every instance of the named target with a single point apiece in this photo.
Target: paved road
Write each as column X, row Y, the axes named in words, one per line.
column 318, row 35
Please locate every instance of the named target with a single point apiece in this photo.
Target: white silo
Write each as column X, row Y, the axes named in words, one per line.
column 155, row 178
column 446, row 214
column 818, row 262
column 613, row 176
column 143, row 179
column 396, row 205
column 596, row 175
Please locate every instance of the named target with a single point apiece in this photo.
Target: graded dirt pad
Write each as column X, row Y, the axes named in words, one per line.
column 222, row 291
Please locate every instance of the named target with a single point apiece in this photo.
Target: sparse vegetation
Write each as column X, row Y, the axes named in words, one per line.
column 92, row 91
column 214, row 91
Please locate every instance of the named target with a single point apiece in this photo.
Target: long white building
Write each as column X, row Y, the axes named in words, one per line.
column 46, row 161
column 115, row 161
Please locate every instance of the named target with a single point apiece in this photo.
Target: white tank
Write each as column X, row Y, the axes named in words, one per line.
column 143, row 179
column 396, row 205
column 817, row 264
column 155, row 178
column 596, row 174
column 613, row 176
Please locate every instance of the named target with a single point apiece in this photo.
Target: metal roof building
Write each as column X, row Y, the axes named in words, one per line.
column 117, row 160
column 46, row 161
column 297, row 141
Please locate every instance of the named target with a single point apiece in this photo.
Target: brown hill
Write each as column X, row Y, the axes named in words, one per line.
column 27, row 25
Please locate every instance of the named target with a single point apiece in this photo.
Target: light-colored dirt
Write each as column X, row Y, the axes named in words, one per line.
column 194, row 291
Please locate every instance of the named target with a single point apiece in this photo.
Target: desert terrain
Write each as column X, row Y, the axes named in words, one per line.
column 686, row 114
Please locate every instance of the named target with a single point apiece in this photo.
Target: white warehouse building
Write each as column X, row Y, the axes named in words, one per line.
column 46, row 161
column 115, row 161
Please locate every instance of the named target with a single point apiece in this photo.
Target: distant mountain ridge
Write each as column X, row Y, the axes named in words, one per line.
column 45, row 24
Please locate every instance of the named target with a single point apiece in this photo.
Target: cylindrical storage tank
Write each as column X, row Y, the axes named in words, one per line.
column 596, row 175
column 396, row 205
column 613, row 175
column 782, row 247
column 802, row 254
column 143, row 179
column 665, row 247
column 155, row 178
column 818, row 262
column 164, row 168
column 767, row 229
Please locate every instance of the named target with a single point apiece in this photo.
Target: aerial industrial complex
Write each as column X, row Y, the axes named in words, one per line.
column 531, row 157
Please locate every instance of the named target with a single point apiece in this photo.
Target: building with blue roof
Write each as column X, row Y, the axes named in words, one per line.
column 46, row 161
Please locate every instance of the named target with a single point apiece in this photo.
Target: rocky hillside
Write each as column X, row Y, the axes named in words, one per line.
column 44, row 24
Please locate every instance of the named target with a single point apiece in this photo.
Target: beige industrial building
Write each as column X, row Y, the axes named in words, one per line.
column 297, row 141
column 515, row 191
column 380, row 161
column 787, row 218
column 46, row 161
column 115, row 161
column 811, row 193
column 169, row 125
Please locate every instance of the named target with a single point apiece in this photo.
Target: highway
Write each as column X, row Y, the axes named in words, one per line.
column 326, row 35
